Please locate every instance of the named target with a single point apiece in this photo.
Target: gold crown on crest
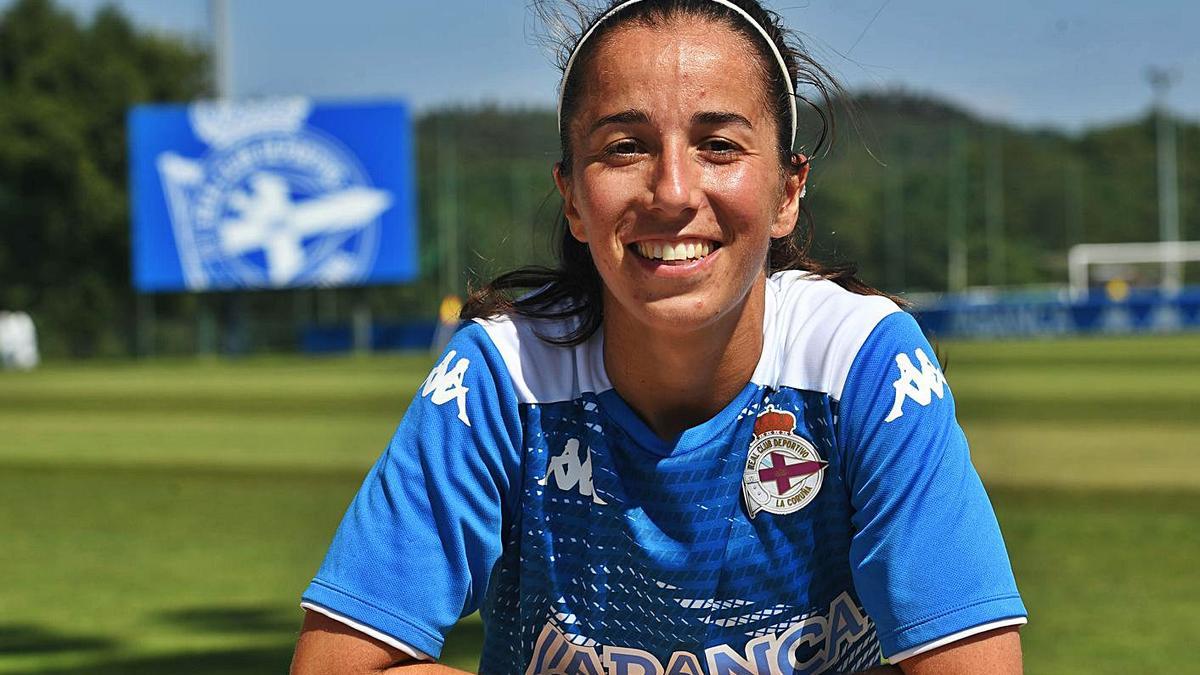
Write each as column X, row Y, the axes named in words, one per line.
column 773, row 419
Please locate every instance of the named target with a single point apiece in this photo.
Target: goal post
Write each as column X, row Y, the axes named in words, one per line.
column 1170, row 254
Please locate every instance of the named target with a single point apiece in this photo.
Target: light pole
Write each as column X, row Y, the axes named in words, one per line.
column 956, row 211
column 893, row 210
column 218, row 14
column 1161, row 80
column 994, row 207
column 207, row 325
column 447, row 194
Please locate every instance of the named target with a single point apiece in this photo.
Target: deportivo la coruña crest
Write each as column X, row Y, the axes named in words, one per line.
column 783, row 472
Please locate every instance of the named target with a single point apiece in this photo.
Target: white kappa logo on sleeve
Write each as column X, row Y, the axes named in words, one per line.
column 918, row 385
column 445, row 384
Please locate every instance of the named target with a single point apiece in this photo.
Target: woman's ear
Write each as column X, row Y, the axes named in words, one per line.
column 793, row 192
column 563, row 183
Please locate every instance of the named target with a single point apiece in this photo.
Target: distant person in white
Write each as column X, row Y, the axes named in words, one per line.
column 18, row 341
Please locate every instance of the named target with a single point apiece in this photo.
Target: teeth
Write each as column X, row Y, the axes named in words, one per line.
column 689, row 250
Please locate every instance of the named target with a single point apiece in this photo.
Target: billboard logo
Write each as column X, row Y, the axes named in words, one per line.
column 271, row 202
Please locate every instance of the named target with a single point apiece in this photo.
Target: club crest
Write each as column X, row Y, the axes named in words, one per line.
column 783, row 471
column 272, row 202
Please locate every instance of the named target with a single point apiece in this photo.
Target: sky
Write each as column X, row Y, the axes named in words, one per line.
column 1069, row 64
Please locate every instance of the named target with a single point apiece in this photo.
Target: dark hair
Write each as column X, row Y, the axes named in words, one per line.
column 573, row 289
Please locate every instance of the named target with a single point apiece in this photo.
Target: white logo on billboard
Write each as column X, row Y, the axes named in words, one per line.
column 272, row 203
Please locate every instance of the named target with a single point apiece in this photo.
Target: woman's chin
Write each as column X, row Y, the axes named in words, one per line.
column 681, row 315
column 680, row 306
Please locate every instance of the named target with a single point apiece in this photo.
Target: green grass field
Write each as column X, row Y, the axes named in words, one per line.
column 163, row 517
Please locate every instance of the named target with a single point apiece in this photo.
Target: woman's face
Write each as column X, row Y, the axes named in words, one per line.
column 676, row 185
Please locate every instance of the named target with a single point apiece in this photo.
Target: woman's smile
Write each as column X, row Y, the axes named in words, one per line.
column 675, row 258
column 678, row 252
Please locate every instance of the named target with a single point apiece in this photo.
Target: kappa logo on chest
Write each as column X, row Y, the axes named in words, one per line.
column 571, row 472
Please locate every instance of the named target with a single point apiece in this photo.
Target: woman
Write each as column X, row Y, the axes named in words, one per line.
column 670, row 458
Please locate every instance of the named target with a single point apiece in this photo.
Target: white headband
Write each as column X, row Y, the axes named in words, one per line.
column 787, row 77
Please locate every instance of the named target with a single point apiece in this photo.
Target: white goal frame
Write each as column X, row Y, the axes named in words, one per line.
column 1168, row 253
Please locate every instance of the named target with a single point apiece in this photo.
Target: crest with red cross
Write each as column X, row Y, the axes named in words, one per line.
column 783, row 471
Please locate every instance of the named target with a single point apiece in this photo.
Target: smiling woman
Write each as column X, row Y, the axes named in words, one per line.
column 690, row 448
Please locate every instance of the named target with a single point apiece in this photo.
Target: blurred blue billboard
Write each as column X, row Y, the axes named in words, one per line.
column 280, row 193
column 1142, row 311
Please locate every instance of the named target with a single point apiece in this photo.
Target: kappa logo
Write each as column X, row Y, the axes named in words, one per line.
column 919, row 385
column 570, row 472
column 445, row 384
column 783, row 472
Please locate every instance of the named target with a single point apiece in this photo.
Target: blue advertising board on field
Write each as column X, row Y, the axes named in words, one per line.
column 1143, row 311
column 277, row 193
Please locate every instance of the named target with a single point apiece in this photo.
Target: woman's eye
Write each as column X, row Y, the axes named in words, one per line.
column 623, row 148
column 719, row 146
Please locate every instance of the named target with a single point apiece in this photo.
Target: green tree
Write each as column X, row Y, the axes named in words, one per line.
column 65, row 87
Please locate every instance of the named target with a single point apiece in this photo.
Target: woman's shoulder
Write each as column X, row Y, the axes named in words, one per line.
column 541, row 371
column 814, row 329
column 807, row 292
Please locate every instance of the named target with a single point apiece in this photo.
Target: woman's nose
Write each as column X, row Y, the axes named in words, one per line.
column 675, row 186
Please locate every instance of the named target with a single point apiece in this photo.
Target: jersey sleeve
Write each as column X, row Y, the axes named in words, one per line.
column 927, row 557
column 416, row 547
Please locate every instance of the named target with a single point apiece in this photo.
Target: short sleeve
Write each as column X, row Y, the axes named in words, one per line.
column 415, row 549
column 928, row 560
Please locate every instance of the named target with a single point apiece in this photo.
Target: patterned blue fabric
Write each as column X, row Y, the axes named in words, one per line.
column 592, row 546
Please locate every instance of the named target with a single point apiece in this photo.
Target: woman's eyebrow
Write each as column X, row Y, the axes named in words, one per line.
column 710, row 118
column 630, row 116
column 720, row 118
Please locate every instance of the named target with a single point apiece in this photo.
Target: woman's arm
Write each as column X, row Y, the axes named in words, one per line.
column 329, row 647
column 414, row 551
column 927, row 556
column 996, row 652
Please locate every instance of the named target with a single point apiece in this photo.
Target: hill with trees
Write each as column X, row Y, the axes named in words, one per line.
column 907, row 178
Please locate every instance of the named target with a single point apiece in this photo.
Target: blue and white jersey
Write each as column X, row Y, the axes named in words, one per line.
column 828, row 516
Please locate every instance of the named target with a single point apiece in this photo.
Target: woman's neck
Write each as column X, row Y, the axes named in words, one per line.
column 676, row 380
